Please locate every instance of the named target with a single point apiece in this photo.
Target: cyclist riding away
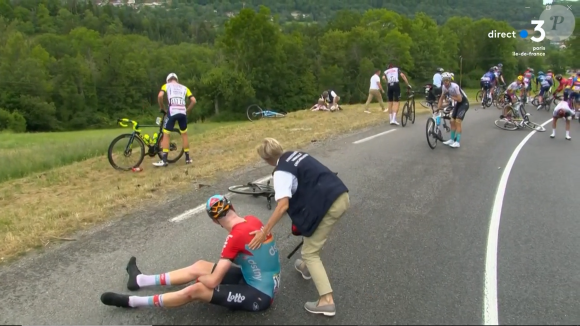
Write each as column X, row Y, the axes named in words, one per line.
column 394, row 90
column 528, row 79
column 176, row 94
column 576, row 90
column 562, row 110
column 331, row 99
column 564, row 85
column 495, row 79
column 486, row 82
column 250, row 286
column 545, row 84
column 460, row 108
column 500, row 73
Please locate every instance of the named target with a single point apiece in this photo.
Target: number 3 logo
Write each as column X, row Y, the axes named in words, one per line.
column 539, row 24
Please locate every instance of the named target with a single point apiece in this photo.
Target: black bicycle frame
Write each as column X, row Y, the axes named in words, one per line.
column 136, row 133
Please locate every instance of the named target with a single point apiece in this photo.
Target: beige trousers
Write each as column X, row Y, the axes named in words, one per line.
column 377, row 95
column 313, row 244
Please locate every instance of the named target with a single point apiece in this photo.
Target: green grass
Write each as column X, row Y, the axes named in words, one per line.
column 28, row 153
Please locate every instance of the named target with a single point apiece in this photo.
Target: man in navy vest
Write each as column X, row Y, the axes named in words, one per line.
column 315, row 199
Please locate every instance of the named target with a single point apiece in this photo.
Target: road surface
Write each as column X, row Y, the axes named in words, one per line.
column 411, row 250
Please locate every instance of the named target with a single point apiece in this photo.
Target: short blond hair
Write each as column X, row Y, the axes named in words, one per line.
column 270, row 149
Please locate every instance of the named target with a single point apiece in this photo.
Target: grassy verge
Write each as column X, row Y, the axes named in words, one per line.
column 45, row 206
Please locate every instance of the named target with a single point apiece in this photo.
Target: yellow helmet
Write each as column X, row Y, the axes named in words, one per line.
column 520, row 78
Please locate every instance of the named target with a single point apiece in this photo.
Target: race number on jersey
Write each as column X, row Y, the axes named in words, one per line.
column 392, row 75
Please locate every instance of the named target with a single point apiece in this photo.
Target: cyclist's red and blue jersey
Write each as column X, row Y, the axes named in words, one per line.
column 260, row 267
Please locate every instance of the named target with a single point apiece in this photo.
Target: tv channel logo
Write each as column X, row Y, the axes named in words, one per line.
column 556, row 23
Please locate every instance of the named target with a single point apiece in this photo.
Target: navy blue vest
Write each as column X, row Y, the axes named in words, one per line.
column 318, row 188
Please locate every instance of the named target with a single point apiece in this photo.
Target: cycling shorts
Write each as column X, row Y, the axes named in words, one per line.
column 544, row 89
column 234, row 293
column 567, row 92
column 181, row 120
column 394, row 92
column 460, row 109
column 485, row 84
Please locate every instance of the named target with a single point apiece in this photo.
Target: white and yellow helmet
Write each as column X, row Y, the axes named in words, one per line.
column 171, row 75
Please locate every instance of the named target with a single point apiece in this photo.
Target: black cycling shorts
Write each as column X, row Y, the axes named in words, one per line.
column 181, row 120
column 544, row 89
column 485, row 85
column 460, row 109
column 234, row 293
column 394, row 92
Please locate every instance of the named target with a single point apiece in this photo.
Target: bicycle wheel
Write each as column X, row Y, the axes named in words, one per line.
column 430, row 133
column 174, row 152
column 534, row 126
column 479, row 96
column 536, row 100
column 126, row 151
column 254, row 112
column 505, row 124
column 405, row 114
column 412, row 112
column 254, row 189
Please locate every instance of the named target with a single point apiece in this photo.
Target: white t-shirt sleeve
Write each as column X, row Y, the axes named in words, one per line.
column 333, row 93
column 283, row 184
column 374, row 80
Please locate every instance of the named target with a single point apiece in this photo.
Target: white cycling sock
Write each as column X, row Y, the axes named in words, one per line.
column 567, row 133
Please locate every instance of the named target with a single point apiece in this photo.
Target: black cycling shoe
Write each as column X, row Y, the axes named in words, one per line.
column 114, row 299
column 133, row 271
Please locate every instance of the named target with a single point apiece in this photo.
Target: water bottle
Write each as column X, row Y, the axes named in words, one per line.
column 146, row 139
column 438, row 120
column 154, row 140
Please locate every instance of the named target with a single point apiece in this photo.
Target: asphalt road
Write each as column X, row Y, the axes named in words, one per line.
column 411, row 250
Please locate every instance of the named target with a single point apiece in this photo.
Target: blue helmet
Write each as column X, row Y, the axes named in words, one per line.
column 540, row 73
column 217, row 206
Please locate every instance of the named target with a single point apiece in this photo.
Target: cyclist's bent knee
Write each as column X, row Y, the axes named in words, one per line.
column 197, row 291
column 166, row 131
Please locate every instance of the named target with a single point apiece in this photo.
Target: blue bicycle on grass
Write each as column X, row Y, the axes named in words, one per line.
column 255, row 112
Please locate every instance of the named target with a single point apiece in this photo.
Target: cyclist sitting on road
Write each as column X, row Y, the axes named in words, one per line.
column 331, row 99
column 460, row 108
column 250, row 286
column 510, row 94
column 486, row 83
column 545, row 84
column 562, row 110
column 176, row 94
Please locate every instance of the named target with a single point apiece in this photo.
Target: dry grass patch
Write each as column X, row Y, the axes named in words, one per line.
column 46, row 206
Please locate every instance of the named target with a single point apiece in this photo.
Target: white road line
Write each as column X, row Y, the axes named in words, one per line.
column 198, row 209
column 373, row 136
column 490, row 308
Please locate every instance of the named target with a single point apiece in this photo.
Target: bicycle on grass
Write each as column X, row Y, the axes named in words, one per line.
column 516, row 118
column 255, row 112
column 408, row 112
column 433, row 129
column 140, row 139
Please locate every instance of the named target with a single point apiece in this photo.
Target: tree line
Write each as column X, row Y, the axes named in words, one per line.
column 71, row 66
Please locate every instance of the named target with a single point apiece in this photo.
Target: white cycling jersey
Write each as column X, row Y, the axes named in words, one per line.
column 513, row 87
column 392, row 75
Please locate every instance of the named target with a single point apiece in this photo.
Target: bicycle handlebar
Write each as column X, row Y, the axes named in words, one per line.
column 125, row 123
